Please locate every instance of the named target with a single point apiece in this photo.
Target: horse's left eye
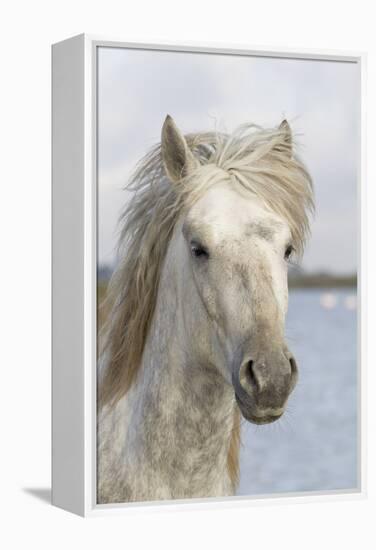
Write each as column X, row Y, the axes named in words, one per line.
column 289, row 250
column 199, row 251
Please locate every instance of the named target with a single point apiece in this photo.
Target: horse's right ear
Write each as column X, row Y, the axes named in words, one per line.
column 178, row 159
column 285, row 128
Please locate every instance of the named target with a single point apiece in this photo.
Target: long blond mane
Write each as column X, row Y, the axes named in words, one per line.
column 260, row 160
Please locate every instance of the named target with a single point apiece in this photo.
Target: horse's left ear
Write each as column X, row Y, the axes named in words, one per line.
column 177, row 158
column 284, row 127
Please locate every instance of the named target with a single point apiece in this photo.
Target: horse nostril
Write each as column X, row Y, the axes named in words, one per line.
column 250, row 374
column 293, row 365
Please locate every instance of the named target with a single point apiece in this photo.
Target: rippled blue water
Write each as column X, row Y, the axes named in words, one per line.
column 314, row 445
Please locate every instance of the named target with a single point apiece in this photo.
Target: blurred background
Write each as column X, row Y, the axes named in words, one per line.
column 314, row 446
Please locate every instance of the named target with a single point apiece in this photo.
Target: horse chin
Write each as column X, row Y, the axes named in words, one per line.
column 251, row 414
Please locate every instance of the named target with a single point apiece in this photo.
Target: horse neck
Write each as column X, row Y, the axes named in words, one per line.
column 185, row 407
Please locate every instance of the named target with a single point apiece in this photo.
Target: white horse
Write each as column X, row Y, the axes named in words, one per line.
column 195, row 334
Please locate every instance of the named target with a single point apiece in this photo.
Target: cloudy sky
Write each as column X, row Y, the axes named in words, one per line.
column 137, row 88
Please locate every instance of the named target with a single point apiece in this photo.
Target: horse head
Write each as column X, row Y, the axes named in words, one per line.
column 232, row 247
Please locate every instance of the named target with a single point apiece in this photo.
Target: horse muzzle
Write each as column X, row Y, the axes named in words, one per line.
column 263, row 385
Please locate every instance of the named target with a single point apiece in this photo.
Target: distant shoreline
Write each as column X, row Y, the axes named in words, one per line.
column 323, row 281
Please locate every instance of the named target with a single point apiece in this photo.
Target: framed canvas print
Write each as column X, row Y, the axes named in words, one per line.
column 206, row 275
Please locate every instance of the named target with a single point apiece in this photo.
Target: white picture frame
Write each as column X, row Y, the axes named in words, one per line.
column 74, row 263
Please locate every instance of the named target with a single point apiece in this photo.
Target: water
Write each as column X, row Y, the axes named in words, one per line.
column 314, row 445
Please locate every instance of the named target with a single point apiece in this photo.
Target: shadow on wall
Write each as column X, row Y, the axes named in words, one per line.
column 41, row 493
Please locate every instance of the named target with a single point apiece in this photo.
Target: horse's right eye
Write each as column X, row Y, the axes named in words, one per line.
column 289, row 250
column 199, row 251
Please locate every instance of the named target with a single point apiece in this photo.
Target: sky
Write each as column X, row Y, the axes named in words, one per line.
column 202, row 92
